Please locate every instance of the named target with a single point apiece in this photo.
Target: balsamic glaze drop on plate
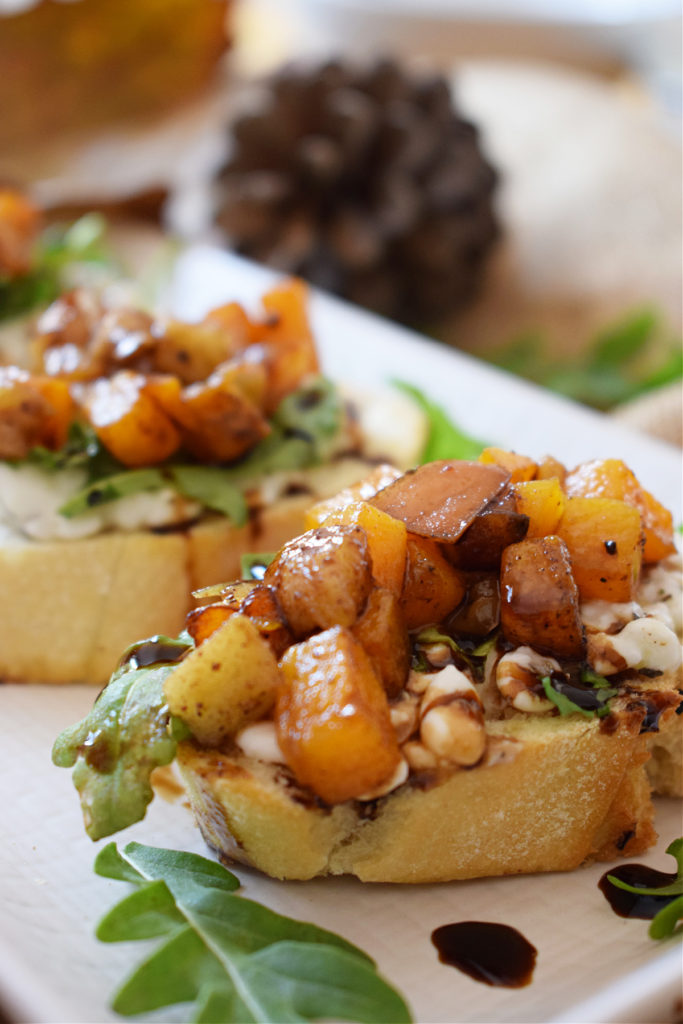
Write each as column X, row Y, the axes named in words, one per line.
column 495, row 954
column 631, row 904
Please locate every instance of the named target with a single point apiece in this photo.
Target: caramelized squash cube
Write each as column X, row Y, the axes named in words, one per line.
column 386, row 541
column 287, row 339
column 332, row 718
column 605, row 541
column 202, row 622
column 130, row 424
column 611, row 478
column 549, row 467
column 226, row 683
column 520, row 467
column 433, row 588
column 382, row 631
column 543, row 501
column 540, row 598
column 322, row 578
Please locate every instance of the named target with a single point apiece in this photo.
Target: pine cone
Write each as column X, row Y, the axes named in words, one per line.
column 368, row 183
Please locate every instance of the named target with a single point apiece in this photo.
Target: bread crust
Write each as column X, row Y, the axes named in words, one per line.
column 552, row 794
column 70, row 608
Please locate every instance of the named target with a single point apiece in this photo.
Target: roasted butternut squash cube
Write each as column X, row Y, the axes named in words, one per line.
column 287, row 339
column 386, row 541
column 549, row 467
column 202, row 622
column 128, row 421
column 322, row 578
column 57, row 394
column 543, row 501
column 605, row 541
column 382, row 631
column 226, row 683
column 263, row 608
column 433, row 588
column 332, row 718
column 217, row 422
column 520, row 467
column 611, row 478
column 540, row 598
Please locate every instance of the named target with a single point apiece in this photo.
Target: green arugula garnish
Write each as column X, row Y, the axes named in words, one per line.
column 566, row 706
column 666, row 921
column 235, row 959
column 58, row 250
column 629, row 358
column 472, row 656
column 444, row 439
column 304, row 427
column 114, row 750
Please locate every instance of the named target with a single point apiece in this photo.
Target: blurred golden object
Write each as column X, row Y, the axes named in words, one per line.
column 68, row 68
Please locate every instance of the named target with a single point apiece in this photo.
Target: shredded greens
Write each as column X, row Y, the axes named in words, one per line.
column 233, row 959
column 445, row 440
column 667, row 921
column 113, row 751
column 304, row 427
column 59, row 250
column 623, row 361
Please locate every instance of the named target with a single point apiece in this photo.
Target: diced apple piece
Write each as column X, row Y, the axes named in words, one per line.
column 540, row 599
column 227, row 682
column 332, row 718
column 520, row 467
column 611, row 478
column 432, row 587
column 128, row 421
column 440, row 499
column 386, row 541
column 543, row 501
column 322, row 578
column 605, row 542
column 381, row 629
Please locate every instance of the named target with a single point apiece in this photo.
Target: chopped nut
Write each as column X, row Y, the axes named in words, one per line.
column 455, row 732
column 419, row 758
column 517, row 676
column 404, row 717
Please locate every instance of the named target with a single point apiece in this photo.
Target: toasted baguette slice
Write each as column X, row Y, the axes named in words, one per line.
column 70, row 608
column 553, row 794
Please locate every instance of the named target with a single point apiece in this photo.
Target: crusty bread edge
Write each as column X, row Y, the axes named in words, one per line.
column 556, row 793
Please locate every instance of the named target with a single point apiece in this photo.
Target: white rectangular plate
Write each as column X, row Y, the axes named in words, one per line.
column 592, row 966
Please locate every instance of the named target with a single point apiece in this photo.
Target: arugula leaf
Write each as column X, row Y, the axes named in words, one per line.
column 444, row 439
column 208, row 485
column 235, row 959
column 110, row 488
column 665, row 922
column 59, row 249
column 566, row 706
column 114, row 750
column 626, row 359
column 315, row 412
